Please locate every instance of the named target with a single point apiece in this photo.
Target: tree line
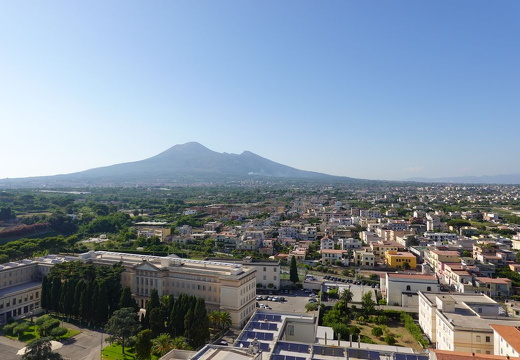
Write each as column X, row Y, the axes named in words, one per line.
column 83, row 291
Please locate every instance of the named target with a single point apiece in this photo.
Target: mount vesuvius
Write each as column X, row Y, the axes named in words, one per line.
column 190, row 163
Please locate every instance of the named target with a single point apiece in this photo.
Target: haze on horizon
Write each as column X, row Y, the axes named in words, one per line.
column 386, row 90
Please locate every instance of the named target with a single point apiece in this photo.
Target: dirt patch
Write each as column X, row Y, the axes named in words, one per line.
column 401, row 335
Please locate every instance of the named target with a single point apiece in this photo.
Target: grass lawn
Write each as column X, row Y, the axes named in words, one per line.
column 114, row 352
column 402, row 336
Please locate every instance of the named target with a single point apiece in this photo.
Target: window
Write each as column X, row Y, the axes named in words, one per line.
column 478, row 338
column 408, row 287
column 488, row 339
column 429, row 288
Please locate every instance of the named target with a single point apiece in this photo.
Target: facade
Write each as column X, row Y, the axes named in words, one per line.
column 20, row 285
column 507, row 340
column 267, row 272
column 397, row 260
column 331, row 256
column 402, row 289
column 228, row 287
column 461, row 322
column 363, row 257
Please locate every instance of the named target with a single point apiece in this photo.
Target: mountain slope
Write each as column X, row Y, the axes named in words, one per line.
column 185, row 163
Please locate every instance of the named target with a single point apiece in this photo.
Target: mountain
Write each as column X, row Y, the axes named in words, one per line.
column 181, row 164
column 507, row 179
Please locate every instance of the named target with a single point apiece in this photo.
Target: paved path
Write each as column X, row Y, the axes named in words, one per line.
column 84, row 346
column 9, row 348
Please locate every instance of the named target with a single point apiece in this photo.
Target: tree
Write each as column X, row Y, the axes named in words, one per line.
column 153, row 303
column 19, row 329
column 143, row 344
column 311, row 306
column 162, row 344
column 40, row 349
column 346, row 297
column 293, row 271
column 127, row 300
column 122, row 325
column 368, row 303
column 156, row 321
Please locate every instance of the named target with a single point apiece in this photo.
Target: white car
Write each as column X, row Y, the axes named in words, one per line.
column 262, row 306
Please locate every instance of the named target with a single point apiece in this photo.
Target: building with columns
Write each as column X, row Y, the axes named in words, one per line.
column 224, row 286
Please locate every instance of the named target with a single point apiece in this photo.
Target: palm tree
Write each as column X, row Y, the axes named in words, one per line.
column 224, row 320
column 181, row 343
column 213, row 318
column 220, row 319
column 162, row 344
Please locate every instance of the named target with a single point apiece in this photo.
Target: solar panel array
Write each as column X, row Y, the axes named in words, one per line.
column 285, row 346
column 264, row 326
column 286, row 357
column 330, row 351
column 410, row 357
column 268, row 317
column 363, row 354
column 257, row 335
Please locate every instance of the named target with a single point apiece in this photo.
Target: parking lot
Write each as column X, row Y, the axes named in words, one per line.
column 294, row 302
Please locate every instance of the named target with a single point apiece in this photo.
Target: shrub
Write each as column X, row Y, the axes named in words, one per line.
column 58, row 332
column 8, row 329
column 377, row 331
column 389, row 339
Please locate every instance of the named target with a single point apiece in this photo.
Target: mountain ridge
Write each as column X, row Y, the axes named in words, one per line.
column 182, row 163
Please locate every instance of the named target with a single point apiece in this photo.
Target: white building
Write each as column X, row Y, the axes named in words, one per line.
column 402, row 289
column 461, row 322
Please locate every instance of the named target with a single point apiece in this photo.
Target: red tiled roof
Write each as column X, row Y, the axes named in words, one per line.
column 457, row 355
column 511, row 334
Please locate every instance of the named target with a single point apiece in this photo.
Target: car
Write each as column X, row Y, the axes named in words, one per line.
column 281, row 298
column 259, row 298
column 269, row 298
column 306, row 291
column 223, row 343
column 262, row 306
column 312, row 295
column 268, row 308
column 313, row 300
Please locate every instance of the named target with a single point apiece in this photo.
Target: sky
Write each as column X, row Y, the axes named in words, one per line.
column 367, row 89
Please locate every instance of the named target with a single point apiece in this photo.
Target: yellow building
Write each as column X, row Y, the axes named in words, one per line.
column 396, row 260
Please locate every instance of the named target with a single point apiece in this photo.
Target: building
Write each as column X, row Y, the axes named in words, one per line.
column 507, row 340
column 267, row 272
column 20, row 285
column 461, row 322
column 397, row 260
column 363, row 257
column 331, row 256
column 402, row 289
column 227, row 287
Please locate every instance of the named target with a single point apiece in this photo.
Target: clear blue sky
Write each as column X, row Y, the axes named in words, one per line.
column 368, row 89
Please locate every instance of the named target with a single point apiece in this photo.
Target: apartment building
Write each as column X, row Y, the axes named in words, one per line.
column 437, row 258
column 461, row 322
column 397, row 260
column 506, row 340
column 229, row 287
column 330, row 256
column 364, row 257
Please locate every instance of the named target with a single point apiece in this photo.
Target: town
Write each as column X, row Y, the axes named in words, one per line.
column 366, row 271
